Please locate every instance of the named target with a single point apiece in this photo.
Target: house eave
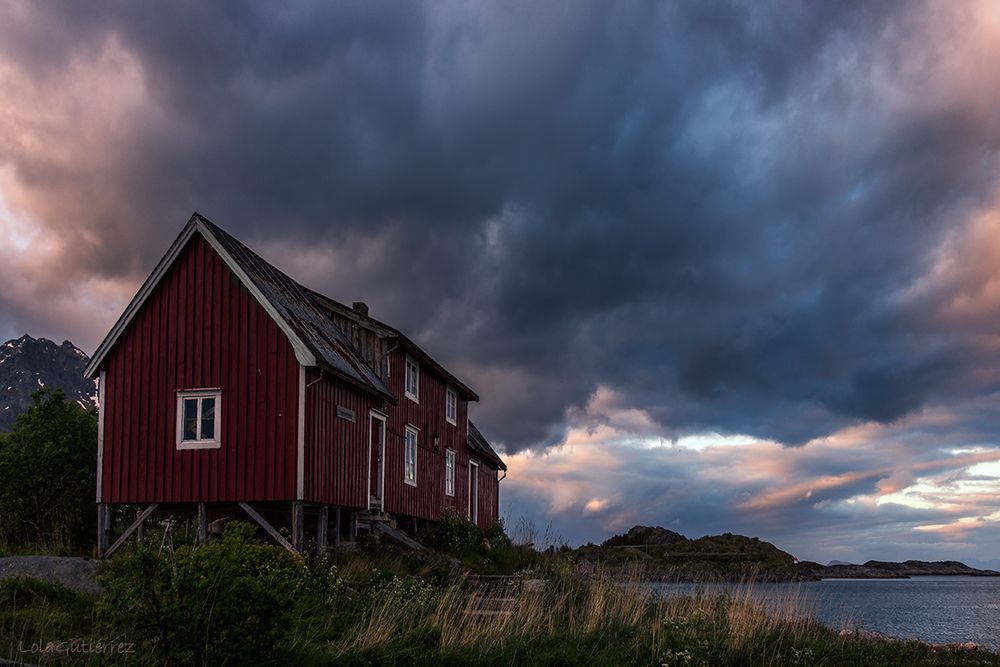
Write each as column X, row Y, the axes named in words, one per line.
column 303, row 354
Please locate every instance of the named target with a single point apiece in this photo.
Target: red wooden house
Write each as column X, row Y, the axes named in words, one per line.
column 227, row 388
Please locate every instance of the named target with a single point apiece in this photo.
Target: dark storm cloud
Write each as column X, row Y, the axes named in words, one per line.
column 709, row 207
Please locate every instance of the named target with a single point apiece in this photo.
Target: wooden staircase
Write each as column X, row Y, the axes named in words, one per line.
column 493, row 596
column 367, row 520
column 386, row 526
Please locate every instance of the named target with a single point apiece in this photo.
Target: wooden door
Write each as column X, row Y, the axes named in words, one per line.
column 376, row 468
column 474, row 492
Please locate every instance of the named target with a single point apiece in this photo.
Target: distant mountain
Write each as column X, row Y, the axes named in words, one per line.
column 838, row 562
column 876, row 569
column 27, row 364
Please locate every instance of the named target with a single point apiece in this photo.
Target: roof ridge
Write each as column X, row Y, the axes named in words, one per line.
column 341, row 304
column 315, row 323
column 356, row 357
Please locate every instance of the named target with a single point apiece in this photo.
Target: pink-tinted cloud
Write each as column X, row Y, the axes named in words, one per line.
column 710, row 265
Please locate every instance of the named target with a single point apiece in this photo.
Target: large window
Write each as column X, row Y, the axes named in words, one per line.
column 449, row 473
column 412, row 379
column 451, row 406
column 199, row 419
column 410, row 457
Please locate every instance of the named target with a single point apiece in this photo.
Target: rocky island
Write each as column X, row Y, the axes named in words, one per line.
column 875, row 569
column 664, row 555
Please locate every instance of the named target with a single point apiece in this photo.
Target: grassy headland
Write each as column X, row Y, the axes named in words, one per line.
column 236, row 600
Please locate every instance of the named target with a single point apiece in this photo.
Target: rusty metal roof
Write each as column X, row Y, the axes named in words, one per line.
column 479, row 444
column 296, row 305
column 384, row 330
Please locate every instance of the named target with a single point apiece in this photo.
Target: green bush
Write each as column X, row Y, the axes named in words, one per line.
column 497, row 536
column 48, row 470
column 489, row 552
column 456, row 534
column 226, row 602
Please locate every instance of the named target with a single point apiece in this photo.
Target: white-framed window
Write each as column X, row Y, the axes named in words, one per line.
column 410, row 457
column 412, row 379
column 449, row 472
column 451, row 406
column 199, row 419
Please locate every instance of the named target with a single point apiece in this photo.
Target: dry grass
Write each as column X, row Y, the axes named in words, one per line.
column 569, row 608
column 613, row 621
column 572, row 609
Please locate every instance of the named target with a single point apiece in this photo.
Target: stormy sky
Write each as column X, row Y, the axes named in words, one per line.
column 715, row 266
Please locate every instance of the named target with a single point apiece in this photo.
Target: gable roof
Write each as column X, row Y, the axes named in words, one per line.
column 386, row 331
column 317, row 341
column 479, row 444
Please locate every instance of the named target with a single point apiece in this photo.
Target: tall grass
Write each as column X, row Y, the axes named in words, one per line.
column 34, row 614
column 611, row 621
column 565, row 620
column 627, row 613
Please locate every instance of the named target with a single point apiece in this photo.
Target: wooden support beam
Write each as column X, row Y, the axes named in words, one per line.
column 336, row 527
column 322, row 524
column 103, row 529
column 298, row 525
column 131, row 529
column 397, row 535
column 266, row 526
column 202, row 524
column 140, row 532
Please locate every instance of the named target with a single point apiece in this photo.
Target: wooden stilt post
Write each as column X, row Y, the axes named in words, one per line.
column 336, row 527
column 131, row 529
column 103, row 529
column 140, row 532
column 322, row 523
column 298, row 525
column 266, row 526
column 354, row 526
column 202, row 524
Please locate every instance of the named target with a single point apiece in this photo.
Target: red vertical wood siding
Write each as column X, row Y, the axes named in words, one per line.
column 200, row 328
column 427, row 499
column 336, row 448
column 488, row 489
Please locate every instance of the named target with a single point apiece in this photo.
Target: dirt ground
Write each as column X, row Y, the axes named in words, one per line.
column 73, row 573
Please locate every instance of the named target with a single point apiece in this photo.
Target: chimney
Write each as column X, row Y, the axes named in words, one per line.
column 360, row 307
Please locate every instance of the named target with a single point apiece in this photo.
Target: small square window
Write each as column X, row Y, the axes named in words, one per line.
column 412, row 388
column 451, row 406
column 198, row 419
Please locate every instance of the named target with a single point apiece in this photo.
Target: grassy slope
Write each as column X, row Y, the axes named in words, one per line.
column 563, row 624
column 386, row 619
column 600, row 624
column 35, row 613
column 728, row 556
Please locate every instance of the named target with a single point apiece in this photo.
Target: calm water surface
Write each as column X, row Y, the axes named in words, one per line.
column 934, row 609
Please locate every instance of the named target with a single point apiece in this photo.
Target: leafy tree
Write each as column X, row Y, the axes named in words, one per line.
column 48, row 470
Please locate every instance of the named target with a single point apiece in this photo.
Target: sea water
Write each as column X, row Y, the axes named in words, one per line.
column 933, row 609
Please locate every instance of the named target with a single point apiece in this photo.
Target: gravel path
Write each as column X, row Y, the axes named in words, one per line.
column 73, row 573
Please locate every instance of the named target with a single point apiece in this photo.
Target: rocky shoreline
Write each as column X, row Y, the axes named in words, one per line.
column 880, row 638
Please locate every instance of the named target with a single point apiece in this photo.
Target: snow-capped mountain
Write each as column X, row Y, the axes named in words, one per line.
column 26, row 364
